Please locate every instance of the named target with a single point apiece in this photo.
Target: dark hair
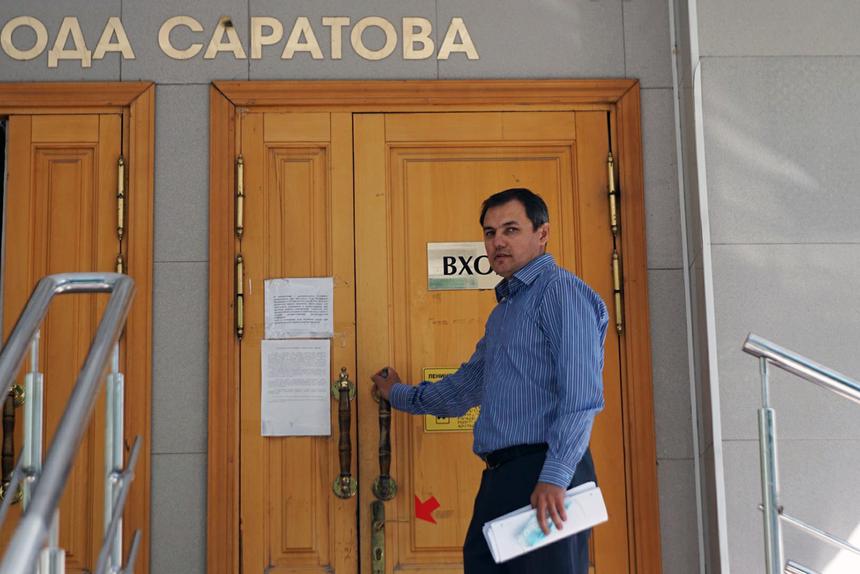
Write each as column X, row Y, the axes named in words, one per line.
column 535, row 207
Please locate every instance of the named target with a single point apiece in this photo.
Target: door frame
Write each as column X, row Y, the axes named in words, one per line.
column 227, row 99
column 135, row 101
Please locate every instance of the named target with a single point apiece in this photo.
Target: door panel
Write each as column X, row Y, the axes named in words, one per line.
column 435, row 178
column 298, row 223
column 61, row 217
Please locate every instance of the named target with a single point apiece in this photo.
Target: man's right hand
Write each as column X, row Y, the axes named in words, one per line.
column 384, row 380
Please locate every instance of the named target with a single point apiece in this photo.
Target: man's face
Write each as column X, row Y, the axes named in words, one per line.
column 509, row 238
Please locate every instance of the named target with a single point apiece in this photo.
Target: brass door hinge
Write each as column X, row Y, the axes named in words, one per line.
column 240, row 197
column 613, row 197
column 617, row 291
column 120, row 213
column 615, row 228
column 240, row 261
column 240, row 296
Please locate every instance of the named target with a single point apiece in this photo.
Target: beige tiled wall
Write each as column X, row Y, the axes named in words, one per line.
column 779, row 104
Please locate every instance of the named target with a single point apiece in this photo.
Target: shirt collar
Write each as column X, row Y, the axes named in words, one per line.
column 525, row 276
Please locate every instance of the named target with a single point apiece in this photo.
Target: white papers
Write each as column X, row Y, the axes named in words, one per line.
column 300, row 307
column 518, row 532
column 295, row 397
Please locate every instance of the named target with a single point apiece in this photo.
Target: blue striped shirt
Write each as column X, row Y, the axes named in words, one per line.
column 536, row 373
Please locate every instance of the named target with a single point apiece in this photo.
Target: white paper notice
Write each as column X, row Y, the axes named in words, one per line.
column 299, row 307
column 296, row 399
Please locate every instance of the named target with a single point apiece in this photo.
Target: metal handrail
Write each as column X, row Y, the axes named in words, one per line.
column 770, row 353
column 32, row 531
column 803, row 367
column 795, row 568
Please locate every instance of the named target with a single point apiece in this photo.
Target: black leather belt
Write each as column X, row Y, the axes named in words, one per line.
column 499, row 457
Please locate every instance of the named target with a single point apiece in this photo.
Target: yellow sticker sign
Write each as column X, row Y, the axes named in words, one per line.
column 448, row 424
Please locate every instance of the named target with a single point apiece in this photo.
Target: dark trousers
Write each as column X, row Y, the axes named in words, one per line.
column 507, row 488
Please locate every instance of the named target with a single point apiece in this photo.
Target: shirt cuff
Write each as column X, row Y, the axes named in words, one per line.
column 557, row 473
column 400, row 396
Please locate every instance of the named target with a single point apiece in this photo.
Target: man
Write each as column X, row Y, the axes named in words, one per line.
column 537, row 375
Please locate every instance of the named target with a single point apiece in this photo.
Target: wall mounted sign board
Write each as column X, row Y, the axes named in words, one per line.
column 458, row 266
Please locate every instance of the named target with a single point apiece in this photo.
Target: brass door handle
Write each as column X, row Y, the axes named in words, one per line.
column 384, row 487
column 18, row 395
column 7, row 465
column 343, row 390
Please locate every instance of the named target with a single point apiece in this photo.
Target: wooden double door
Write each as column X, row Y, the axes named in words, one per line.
column 61, row 214
column 358, row 197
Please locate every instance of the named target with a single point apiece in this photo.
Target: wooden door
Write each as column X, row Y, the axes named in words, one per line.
column 298, row 223
column 417, row 178
column 60, row 216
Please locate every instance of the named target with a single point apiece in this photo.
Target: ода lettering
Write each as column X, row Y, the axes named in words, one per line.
column 259, row 39
column 33, row 52
column 450, row 44
column 105, row 45
column 70, row 28
column 217, row 44
column 296, row 43
column 164, row 37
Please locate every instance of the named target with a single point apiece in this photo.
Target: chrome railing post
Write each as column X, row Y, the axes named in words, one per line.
column 769, row 478
column 114, row 430
column 33, row 421
column 53, row 558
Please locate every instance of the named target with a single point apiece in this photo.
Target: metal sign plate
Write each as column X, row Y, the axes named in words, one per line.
column 459, row 266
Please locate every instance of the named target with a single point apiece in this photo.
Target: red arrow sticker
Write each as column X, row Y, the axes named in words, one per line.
column 424, row 510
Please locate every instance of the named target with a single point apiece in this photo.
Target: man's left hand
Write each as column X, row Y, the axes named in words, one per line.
column 548, row 499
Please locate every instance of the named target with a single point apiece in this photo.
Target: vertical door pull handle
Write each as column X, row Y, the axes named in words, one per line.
column 343, row 391
column 384, row 487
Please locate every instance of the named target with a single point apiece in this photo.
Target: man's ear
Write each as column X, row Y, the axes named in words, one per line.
column 543, row 233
